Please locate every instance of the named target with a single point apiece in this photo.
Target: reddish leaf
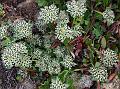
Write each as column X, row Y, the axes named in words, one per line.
column 112, row 76
column 55, row 44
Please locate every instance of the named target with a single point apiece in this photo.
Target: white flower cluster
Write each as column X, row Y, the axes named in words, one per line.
column 16, row 55
column 54, row 67
column 22, row 29
column 109, row 16
column 57, row 84
column 76, row 8
column 45, row 63
column 49, row 14
column 63, row 31
column 68, row 62
column 37, row 53
column 109, row 58
column 3, row 32
column 99, row 74
column 85, row 81
column 60, row 52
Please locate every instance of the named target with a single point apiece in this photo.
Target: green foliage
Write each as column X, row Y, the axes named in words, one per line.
column 64, row 36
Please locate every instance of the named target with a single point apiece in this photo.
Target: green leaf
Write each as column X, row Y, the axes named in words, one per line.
column 97, row 64
column 63, row 75
column 6, row 42
column 103, row 42
column 106, row 2
column 96, row 32
column 41, row 2
column 70, row 83
column 45, row 85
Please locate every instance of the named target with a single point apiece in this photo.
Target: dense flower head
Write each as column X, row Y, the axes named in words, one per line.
column 43, row 61
column 85, row 81
column 63, row 31
column 49, row 13
column 37, row 53
column 109, row 58
column 57, row 84
column 99, row 74
column 15, row 55
column 68, row 62
column 3, row 32
column 76, row 8
column 59, row 51
column 54, row 67
column 109, row 16
column 22, row 29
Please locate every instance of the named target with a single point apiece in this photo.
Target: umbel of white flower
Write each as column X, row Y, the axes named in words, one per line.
column 54, row 67
column 63, row 32
column 49, row 13
column 85, row 81
column 45, row 63
column 109, row 16
column 3, row 32
column 16, row 55
column 99, row 73
column 59, row 51
column 57, row 84
column 21, row 29
column 109, row 58
column 68, row 62
column 76, row 8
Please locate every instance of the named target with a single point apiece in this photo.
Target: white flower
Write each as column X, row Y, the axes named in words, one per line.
column 22, row 29
column 68, row 62
column 109, row 58
column 85, row 81
column 54, row 67
column 49, row 13
column 37, row 53
column 25, row 61
column 15, row 55
column 109, row 16
column 63, row 31
column 57, row 84
column 99, row 74
column 3, row 32
column 59, row 51
column 76, row 8
column 43, row 62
